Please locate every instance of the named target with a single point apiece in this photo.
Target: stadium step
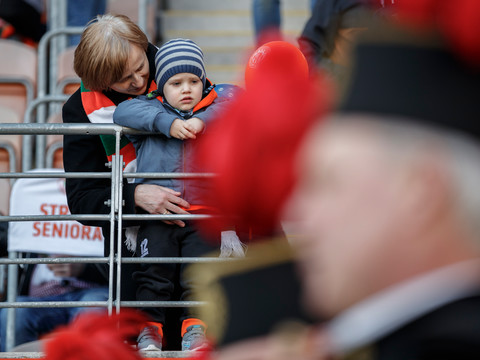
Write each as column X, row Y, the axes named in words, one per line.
column 224, row 30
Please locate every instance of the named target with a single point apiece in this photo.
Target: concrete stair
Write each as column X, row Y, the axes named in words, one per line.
column 224, row 30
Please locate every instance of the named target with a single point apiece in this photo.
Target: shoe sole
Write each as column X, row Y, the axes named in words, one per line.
column 150, row 347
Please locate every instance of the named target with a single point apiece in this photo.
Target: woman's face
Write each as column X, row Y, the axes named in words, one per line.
column 135, row 77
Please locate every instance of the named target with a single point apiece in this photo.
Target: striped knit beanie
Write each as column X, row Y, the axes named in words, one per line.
column 178, row 56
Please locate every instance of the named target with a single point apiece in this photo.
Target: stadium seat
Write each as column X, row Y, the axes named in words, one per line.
column 67, row 80
column 10, row 155
column 18, row 75
column 5, row 188
column 7, row 163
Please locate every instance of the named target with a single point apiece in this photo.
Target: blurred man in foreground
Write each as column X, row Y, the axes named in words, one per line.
column 391, row 242
column 390, row 245
column 389, row 202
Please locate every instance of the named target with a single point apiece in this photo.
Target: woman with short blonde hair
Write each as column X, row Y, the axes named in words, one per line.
column 104, row 48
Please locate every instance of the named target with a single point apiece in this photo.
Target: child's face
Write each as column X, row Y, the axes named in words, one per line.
column 183, row 91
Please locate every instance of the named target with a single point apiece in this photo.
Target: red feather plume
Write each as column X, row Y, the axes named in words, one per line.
column 455, row 20
column 252, row 146
column 96, row 336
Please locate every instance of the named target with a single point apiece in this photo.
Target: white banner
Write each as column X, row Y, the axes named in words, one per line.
column 46, row 196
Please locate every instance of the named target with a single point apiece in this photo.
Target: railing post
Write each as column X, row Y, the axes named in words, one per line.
column 111, row 255
column 118, row 168
column 142, row 15
column 12, row 282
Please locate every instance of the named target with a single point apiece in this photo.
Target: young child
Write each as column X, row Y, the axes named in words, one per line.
column 175, row 114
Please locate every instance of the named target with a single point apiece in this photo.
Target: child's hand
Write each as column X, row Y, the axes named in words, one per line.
column 182, row 130
column 197, row 124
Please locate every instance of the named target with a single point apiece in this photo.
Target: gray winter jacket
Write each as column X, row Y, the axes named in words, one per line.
column 158, row 151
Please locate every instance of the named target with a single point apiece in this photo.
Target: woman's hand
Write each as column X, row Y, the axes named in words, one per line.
column 160, row 200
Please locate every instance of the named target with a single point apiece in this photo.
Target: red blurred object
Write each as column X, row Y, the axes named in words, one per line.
column 96, row 336
column 462, row 28
column 417, row 12
column 276, row 58
column 252, row 146
column 456, row 21
column 204, row 354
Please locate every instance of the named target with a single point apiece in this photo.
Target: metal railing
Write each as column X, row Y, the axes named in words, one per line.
column 50, row 46
column 115, row 218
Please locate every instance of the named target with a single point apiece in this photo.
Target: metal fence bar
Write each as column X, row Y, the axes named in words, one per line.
column 117, row 168
column 104, row 304
column 12, row 279
column 63, row 129
column 40, row 260
column 175, row 260
column 169, row 304
column 39, row 174
column 124, row 260
column 152, row 175
column 53, row 304
column 52, row 217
